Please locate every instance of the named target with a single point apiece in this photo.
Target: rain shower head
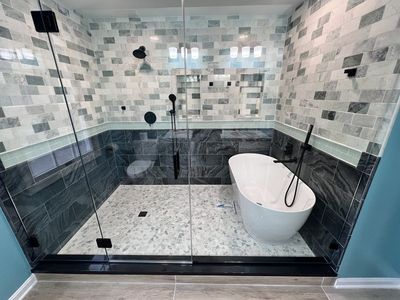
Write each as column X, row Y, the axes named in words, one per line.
column 140, row 52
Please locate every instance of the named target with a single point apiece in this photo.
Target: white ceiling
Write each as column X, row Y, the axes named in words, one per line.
column 171, row 7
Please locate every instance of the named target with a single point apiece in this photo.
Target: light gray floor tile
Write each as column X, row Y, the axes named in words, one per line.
column 249, row 280
column 103, row 291
column 362, row 294
column 219, row 292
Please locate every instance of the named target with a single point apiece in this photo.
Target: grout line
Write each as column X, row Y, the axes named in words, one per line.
column 250, row 284
column 174, row 294
column 325, row 293
column 106, row 282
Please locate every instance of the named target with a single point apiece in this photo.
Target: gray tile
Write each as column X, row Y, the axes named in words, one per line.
column 40, row 127
column 319, row 95
column 109, row 40
column 397, row 67
column 64, row 59
column 249, row 280
column 372, row 95
column 192, row 292
column 34, row 80
column 328, row 114
column 372, row 17
column 353, row 3
column 376, row 55
column 95, row 290
column 352, row 61
column 39, row 43
column 5, row 33
column 364, row 121
column 302, row 32
column 213, row 23
column 316, row 33
column 358, row 107
column 13, row 13
column 108, row 73
column 361, row 294
column 9, row 123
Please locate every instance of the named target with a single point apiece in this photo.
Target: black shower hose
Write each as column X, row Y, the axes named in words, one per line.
column 296, row 174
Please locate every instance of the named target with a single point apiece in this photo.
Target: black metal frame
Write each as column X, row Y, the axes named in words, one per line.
column 182, row 265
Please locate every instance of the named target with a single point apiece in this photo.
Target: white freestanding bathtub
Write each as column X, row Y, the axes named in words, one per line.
column 259, row 187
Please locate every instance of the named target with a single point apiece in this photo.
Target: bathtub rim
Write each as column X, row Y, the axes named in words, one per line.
column 264, row 207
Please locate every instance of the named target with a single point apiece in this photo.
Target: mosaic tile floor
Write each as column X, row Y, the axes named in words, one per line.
column 165, row 230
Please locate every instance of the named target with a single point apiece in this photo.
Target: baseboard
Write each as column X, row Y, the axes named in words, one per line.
column 364, row 283
column 24, row 288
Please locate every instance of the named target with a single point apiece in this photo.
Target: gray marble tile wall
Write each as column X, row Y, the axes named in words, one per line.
column 51, row 195
column 326, row 37
column 340, row 190
column 219, row 87
column 31, row 100
column 100, row 74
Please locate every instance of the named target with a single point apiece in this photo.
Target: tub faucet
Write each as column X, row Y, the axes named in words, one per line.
column 292, row 160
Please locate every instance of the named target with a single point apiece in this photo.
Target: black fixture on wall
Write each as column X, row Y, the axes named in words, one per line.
column 175, row 147
column 140, row 53
column 150, row 118
column 45, row 21
column 296, row 174
column 351, row 72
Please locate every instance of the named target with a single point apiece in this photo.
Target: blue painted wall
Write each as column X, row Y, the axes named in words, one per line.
column 14, row 268
column 374, row 249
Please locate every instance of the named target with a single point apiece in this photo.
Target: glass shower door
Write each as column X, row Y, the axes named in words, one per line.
column 43, row 191
column 124, row 75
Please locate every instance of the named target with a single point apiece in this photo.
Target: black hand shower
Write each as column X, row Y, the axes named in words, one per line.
column 175, row 148
column 306, row 146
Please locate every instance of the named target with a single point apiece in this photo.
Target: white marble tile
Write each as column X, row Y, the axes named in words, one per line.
column 165, row 230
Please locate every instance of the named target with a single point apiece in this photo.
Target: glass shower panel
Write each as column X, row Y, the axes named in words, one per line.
column 41, row 194
column 124, row 76
column 234, row 63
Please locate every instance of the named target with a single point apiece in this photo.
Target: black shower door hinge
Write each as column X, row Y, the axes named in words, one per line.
column 104, row 243
column 45, row 21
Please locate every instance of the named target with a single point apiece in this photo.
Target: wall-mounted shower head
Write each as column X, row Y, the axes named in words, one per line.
column 140, row 52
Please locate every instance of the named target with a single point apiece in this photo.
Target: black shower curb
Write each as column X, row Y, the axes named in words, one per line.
column 181, row 265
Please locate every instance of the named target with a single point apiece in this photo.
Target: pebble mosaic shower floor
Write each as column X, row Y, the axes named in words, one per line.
column 165, row 230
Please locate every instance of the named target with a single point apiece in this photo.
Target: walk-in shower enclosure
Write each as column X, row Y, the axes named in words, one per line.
column 97, row 161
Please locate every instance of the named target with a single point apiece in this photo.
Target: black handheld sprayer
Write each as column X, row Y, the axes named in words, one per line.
column 306, row 146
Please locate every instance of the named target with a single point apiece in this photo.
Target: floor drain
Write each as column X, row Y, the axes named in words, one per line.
column 142, row 214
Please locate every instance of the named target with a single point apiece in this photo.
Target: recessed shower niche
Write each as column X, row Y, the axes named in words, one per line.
column 81, row 163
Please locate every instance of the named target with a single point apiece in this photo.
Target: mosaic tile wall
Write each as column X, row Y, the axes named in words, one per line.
column 51, row 194
column 325, row 38
column 340, row 190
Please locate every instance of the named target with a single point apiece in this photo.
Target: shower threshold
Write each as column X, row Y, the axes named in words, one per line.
column 201, row 265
